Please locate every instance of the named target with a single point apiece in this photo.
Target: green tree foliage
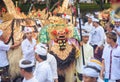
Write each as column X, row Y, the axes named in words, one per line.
column 100, row 3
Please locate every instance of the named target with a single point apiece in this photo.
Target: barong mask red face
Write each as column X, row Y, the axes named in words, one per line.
column 61, row 37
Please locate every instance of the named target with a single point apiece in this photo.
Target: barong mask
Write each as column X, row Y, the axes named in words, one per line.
column 61, row 37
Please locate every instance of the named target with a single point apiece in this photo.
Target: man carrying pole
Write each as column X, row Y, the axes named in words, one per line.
column 86, row 51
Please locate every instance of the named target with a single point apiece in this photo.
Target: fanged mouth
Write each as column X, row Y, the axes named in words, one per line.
column 61, row 37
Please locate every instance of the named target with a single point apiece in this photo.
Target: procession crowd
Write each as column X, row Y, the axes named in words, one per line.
column 100, row 45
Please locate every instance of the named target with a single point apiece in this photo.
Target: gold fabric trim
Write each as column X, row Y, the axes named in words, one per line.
column 61, row 54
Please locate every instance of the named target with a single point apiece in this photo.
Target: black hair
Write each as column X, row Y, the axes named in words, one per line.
column 115, row 36
column 93, row 67
column 69, row 20
column 43, row 57
column 98, row 23
column 47, row 45
column 24, row 37
column 112, row 35
column 28, row 69
column 112, row 26
column 94, row 77
column 115, row 40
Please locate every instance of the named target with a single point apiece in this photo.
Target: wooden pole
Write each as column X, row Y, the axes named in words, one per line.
column 81, row 34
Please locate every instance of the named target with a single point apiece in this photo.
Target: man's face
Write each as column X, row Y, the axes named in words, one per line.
column 95, row 24
column 109, row 40
column 29, row 35
column 89, row 20
column 88, row 79
column 85, row 39
column 108, row 28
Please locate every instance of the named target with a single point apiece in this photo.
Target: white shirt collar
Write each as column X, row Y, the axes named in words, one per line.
column 41, row 63
column 112, row 47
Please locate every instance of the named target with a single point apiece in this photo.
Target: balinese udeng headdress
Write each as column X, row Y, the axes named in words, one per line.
column 92, row 69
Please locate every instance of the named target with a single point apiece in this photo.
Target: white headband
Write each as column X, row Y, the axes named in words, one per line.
column 25, row 66
column 95, row 20
column 85, row 34
column 90, row 72
column 27, row 30
column 41, row 49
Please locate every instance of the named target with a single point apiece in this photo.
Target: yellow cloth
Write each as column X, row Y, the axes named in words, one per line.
column 77, row 54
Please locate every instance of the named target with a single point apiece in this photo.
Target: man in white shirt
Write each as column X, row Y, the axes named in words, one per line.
column 42, row 71
column 4, row 64
column 111, row 59
column 53, row 63
column 26, row 70
column 28, row 45
column 97, row 39
column 88, row 54
column 89, row 25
